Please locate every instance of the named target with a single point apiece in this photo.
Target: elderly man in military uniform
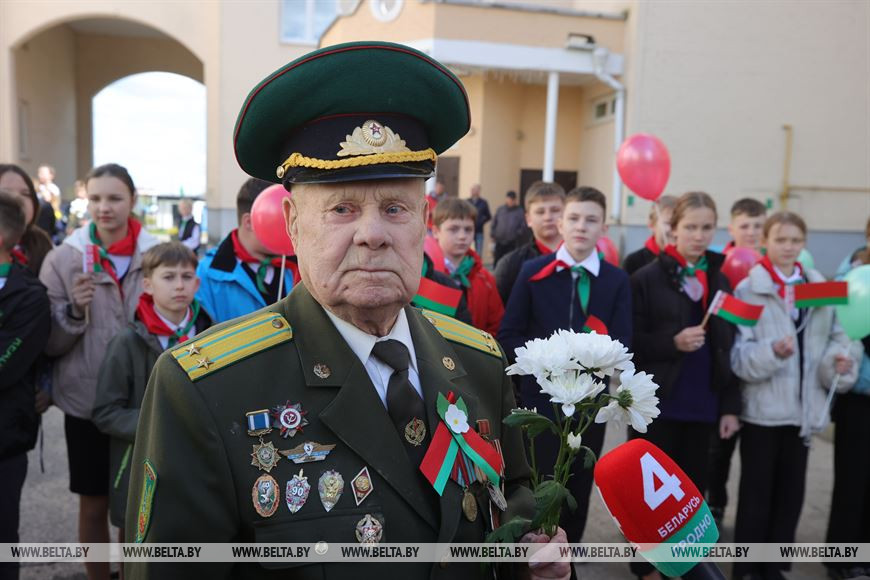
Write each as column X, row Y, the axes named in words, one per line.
column 322, row 417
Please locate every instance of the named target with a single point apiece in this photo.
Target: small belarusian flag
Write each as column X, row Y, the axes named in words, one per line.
column 593, row 323
column 734, row 310
column 437, row 297
column 820, row 294
column 91, row 259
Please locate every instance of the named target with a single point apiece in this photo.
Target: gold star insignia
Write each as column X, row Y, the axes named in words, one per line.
column 192, row 350
column 204, row 363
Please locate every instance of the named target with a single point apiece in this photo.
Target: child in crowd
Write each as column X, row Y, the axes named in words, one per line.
column 690, row 362
column 786, row 363
column 660, row 225
column 747, row 220
column 25, row 322
column 453, row 228
column 35, row 243
column 167, row 315
column 88, row 309
column 240, row 275
column 544, row 204
column 574, row 289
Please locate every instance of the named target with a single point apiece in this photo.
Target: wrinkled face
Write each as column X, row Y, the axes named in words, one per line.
column 12, row 182
column 109, row 202
column 581, row 226
column 694, row 232
column 173, row 287
column 455, row 237
column 360, row 244
column 784, row 243
column 543, row 216
column 747, row 230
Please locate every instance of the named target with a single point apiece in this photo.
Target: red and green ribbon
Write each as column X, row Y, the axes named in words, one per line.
column 446, row 446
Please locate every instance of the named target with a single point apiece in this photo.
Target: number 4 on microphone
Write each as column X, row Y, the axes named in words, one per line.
column 651, row 470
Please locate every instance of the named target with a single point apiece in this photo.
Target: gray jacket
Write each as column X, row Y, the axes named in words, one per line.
column 772, row 391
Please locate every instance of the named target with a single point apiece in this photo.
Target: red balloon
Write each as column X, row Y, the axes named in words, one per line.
column 267, row 219
column 644, row 165
column 737, row 264
column 611, row 254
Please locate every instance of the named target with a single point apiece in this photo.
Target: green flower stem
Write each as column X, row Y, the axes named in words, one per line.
column 534, row 463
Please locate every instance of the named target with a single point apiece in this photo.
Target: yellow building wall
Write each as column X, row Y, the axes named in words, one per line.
column 568, row 128
column 45, row 77
column 716, row 81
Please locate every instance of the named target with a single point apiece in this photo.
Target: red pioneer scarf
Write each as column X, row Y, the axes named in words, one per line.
column 19, row 256
column 146, row 312
column 699, row 270
column 274, row 261
column 543, row 248
column 123, row 247
column 652, row 245
column 774, row 275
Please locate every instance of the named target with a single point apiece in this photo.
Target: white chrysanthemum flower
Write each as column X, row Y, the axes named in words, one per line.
column 635, row 402
column 574, row 441
column 570, row 388
column 596, row 351
column 456, row 419
column 542, row 358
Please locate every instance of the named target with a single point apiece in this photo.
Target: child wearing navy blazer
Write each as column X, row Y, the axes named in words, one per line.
column 571, row 289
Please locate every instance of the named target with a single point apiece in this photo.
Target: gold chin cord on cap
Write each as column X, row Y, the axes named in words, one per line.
column 299, row 160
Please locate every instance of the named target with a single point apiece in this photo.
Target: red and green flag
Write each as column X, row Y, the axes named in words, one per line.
column 820, row 294
column 437, row 297
column 735, row 310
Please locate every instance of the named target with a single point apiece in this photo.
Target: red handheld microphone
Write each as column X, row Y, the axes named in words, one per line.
column 655, row 505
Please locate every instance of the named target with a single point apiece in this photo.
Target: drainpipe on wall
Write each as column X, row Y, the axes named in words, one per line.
column 600, row 56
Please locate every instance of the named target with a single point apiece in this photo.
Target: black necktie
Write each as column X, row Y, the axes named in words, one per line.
column 404, row 404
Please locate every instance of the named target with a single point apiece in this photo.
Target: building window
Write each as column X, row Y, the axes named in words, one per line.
column 603, row 109
column 305, row 21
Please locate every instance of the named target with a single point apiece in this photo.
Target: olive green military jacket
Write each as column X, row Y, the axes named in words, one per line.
column 192, row 473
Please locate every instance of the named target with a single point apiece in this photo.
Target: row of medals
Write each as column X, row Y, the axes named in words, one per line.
column 290, row 419
column 265, row 494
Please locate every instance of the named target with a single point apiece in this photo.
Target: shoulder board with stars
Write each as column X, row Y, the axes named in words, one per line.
column 225, row 347
column 457, row 331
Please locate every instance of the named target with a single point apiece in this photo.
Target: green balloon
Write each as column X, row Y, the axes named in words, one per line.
column 854, row 317
column 806, row 260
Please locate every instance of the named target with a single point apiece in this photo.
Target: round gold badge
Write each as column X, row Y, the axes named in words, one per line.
column 374, row 133
column 276, row 323
column 469, row 506
column 448, row 363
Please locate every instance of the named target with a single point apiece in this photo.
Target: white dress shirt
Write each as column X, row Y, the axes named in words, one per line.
column 592, row 263
column 164, row 340
column 362, row 343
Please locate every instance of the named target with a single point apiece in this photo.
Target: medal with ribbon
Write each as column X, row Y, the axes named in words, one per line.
column 456, row 449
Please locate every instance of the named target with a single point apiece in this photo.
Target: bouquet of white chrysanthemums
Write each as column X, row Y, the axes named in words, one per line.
column 570, row 368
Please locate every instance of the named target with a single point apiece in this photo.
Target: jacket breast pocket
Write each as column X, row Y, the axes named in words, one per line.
column 335, row 527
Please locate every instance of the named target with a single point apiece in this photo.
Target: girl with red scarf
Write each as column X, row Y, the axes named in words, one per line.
column 786, row 363
column 94, row 279
column 698, row 392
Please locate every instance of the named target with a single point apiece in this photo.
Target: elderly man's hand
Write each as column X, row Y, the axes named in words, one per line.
column 547, row 563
